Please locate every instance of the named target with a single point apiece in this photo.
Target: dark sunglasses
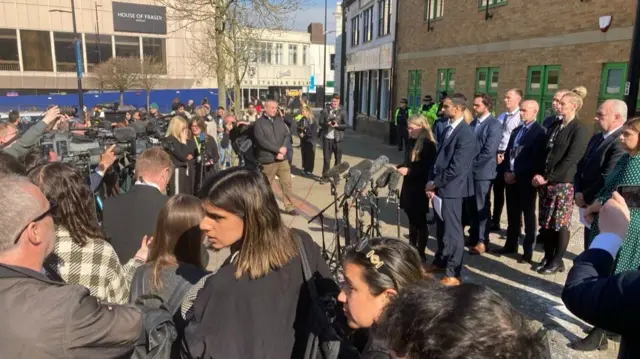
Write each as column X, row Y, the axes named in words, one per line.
column 52, row 206
column 364, row 248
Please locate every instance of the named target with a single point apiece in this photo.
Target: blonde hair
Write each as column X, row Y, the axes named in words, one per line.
column 468, row 117
column 421, row 121
column 175, row 127
column 153, row 161
column 308, row 111
column 577, row 96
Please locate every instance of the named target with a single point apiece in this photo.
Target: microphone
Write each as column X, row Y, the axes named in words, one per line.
column 354, row 176
column 383, row 180
column 394, row 179
column 125, row 134
column 337, row 170
column 367, row 174
column 246, row 146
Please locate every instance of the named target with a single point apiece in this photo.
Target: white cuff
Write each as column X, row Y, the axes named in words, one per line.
column 609, row 242
column 100, row 173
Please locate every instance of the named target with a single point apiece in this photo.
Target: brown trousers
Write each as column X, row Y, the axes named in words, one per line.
column 283, row 171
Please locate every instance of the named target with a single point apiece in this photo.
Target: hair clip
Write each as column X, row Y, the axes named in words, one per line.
column 375, row 259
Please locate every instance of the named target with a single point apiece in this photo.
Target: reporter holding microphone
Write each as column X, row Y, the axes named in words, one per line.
column 19, row 146
column 181, row 153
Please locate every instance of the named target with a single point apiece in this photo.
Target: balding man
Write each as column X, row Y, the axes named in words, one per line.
column 525, row 148
column 550, row 120
column 43, row 318
column 603, row 152
column 509, row 120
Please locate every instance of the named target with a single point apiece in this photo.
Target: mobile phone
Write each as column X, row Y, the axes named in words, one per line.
column 631, row 195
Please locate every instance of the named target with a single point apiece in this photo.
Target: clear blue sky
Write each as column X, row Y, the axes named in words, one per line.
column 314, row 12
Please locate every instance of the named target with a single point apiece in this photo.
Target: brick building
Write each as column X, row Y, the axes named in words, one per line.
column 538, row 46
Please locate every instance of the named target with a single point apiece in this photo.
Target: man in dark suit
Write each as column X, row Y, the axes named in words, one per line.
column 451, row 180
column 488, row 132
column 592, row 294
column 438, row 130
column 523, row 152
column 127, row 218
column 603, row 152
column 550, row 120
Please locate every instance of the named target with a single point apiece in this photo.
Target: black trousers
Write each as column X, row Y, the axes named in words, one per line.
column 498, row 197
column 181, row 181
column 308, row 152
column 330, row 147
column 450, row 237
column 418, row 231
column 521, row 200
column 403, row 136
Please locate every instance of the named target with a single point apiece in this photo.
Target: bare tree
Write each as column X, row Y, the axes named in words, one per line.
column 215, row 17
column 152, row 69
column 119, row 73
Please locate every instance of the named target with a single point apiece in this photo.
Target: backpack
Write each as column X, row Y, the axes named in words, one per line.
column 324, row 340
column 158, row 327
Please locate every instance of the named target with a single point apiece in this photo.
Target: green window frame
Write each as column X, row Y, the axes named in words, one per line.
column 414, row 88
column 446, row 81
column 612, row 81
column 482, row 4
column 487, row 80
column 433, row 9
column 542, row 83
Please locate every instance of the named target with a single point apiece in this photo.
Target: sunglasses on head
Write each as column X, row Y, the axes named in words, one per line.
column 363, row 247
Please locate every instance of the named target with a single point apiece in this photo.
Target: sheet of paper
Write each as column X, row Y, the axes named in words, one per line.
column 582, row 220
column 437, row 205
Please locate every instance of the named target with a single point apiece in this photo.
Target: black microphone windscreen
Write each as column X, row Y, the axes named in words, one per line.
column 124, row 134
column 337, row 170
column 383, row 180
column 246, row 146
column 354, row 176
column 362, row 166
column 394, row 179
column 378, row 164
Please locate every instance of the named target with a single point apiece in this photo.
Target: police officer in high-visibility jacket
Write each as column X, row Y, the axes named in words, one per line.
column 401, row 116
column 429, row 110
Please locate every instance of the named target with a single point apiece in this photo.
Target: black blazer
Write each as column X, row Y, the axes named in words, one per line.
column 608, row 302
column 451, row 171
column 413, row 196
column 129, row 217
column 549, row 121
column 593, row 171
column 561, row 161
column 179, row 151
column 489, row 135
column 340, row 117
column 529, row 153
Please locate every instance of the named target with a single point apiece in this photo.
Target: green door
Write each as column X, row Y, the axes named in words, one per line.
column 446, row 82
column 413, row 92
column 542, row 84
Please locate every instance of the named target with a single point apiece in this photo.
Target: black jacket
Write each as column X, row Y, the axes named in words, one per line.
column 178, row 151
column 608, row 302
column 593, row 171
column 413, row 197
column 561, row 160
column 309, row 129
column 528, row 156
column 340, row 116
column 129, row 217
column 270, row 136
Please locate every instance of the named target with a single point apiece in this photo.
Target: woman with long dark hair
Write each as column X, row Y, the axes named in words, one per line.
column 566, row 142
column 181, row 154
column 257, row 304
column 418, row 160
column 82, row 255
column 206, row 152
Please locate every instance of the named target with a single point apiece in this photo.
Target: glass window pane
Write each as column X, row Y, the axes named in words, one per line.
column 36, row 50
column 364, row 89
column 98, row 49
column 536, row 80
column 384, row 95
column 553, row 80
column 482, row 80
column 127, row 46
column 9, row 59
column 614, row 80
column 442, row 80
column 452, row 81
column 65, row 52
column 373, row 99
column 495, row 78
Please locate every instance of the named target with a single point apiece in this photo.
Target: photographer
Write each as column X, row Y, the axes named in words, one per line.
column 181, row 153
column 206, row 152
column 333, row 122
column 19, row 146
column 307, row 130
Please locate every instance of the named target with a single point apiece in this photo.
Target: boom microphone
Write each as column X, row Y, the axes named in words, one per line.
column 383, row 180
column 394, row 179
column 354, row 176
column 366, row 175
column 337, row 170
column 124, row 134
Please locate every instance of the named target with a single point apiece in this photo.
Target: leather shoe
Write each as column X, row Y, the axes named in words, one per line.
column 525, row 259
column 552, row 268
column 434, row 269
column 596, row 340
column 495, row 227
column 480, row 249
column 504, row 250
column 450, row 281
column 538, row 266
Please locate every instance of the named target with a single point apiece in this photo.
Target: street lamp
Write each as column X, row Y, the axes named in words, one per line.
column 78, row 56
column 324, row 62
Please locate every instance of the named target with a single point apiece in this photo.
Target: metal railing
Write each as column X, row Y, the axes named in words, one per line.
column 9, row 66
column 66, row 67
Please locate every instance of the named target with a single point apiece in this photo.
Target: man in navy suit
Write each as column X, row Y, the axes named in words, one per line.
column 451, row 180
column 593, row 295
column 488, row 131
column 526, row 145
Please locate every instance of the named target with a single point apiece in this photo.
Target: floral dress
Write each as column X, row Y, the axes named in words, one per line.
column 627, row 172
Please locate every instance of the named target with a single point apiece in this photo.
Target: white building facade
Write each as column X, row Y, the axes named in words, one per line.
column 370, row 35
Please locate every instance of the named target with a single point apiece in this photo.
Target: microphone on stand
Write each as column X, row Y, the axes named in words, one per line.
column 383, row 180
column 367, row 174
column 394, row 180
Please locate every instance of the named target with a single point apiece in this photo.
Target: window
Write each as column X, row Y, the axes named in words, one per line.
column 98, row 49
column 293, row 54
column 265, row 52
column 367, row 30
column 355, row 31
column 385, row 90
column 154, row 48
column 36, row 50
column 127, row 46
column 613, row 80
column 64, row 43
column 415, row 88
column 9, row 59
column 364, row 91
column 483, row 3
column 446, row 81
column 373, row 98
column 384, row 17
column 433, row 9
column 487, row 79
column 305, row 50
column 278, row 54
column 542, row 84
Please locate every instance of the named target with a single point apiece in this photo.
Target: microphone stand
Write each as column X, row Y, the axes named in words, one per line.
column 374, row 228
column 336, row 255
column 396, row 194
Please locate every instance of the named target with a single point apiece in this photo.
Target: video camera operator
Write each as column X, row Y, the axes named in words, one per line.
column 18, row 146
column 177, row 144
column 333, row 123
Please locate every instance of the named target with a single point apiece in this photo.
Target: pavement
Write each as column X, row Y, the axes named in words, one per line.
column 534, row 295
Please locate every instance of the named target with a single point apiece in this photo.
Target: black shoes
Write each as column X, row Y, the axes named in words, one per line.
column 504, row 250
column 495, row 227
column 552, row 268
column 540, row 265
column 525, row 259
column 596, row 340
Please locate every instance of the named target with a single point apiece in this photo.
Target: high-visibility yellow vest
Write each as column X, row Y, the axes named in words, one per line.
column 395, row 117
